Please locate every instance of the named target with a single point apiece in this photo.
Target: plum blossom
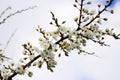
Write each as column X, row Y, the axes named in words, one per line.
column 19, row 69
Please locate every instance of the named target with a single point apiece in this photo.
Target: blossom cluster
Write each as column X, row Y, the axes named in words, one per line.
column 62, row 40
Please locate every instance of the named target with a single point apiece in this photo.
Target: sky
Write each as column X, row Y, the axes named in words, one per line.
column 113, row 3
column 75, row 67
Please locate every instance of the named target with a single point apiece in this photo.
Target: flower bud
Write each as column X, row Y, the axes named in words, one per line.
column 105, row 19
column 76, row 1
column 74, row 5
column 89, row 2
column 112, row 11
column 99, row 5
column 76, row 19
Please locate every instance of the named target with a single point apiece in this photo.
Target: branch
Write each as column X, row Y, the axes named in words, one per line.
column 99, row 13
column 34, row 59
column 25, row 66
column 96, row 41
column 55, row 19
column 2, row 13
column 9, row 40
column 106, row 6
column 63, row 38
column 19, row 11
column 80, row 15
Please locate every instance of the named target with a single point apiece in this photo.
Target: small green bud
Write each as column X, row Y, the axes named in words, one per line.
column 53, row 18
column 76, row 1
column 76, row 19
column 59, row 55
column 99, row 5
column 30, row 74
column 105, row 19
column 112, row 11
column 99, row 21
column 103, row 38
column 51, row 23
column 74, row 5
column 107, row 30
column 63, row 22
column 107, row 1
column 92, row 53
column 85, row 10
column 89, row 2
column 40, row 64
column 92, row 12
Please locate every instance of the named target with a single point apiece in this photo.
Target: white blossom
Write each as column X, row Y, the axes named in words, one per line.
column 48, row 55
column 85, row 10
column 31, row 56
column 55, row 35
column 19, row 69
column 5, row 73
column 89, row 34
column 52, row 63
column 92, row 12
column 65, row 30
column 37, row 49
column 44, row 43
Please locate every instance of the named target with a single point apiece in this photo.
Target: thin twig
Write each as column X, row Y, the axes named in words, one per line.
column 19, row 11
column 7, row 43
column 99, row 13
column 80, row 15
column 96, row 41
column 2, row 13
column 55, row 19
column 25, row 66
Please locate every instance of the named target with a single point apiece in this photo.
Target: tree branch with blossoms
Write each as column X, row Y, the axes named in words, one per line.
column 2, row 21
column 63, row 40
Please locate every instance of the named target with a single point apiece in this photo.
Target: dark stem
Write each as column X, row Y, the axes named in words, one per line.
column 25, row 66
column 63, row 38
column 99, row 13
column 97, row 16
column 80, row 15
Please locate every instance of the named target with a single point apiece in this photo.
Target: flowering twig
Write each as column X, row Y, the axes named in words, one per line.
column 24, row 67
column 55, row 19
column 99, row 13
column 92, row 20
column 68, row 40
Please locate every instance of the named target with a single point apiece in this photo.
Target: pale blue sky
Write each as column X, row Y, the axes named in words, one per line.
column 75, row 67
column 113, row 3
